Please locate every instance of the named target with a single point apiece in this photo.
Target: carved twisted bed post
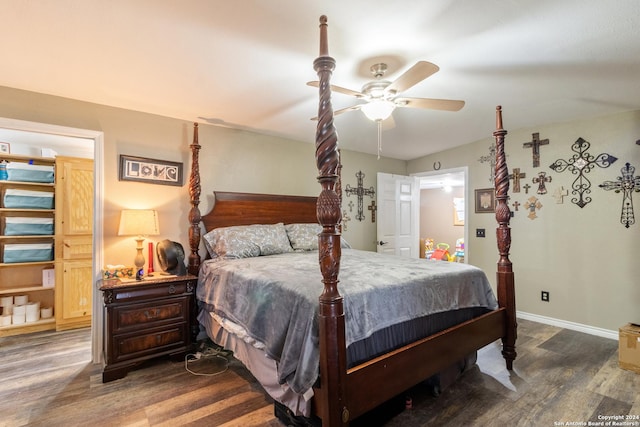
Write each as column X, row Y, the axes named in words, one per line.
column 331, row 311
column 194, row 212
column 504, row 275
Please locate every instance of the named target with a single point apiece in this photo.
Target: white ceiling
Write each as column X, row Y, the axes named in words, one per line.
column 245, row 64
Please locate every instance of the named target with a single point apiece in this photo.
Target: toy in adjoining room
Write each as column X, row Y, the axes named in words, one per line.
column 625, row 184
column 441, row 253
column 458, row 255
column 428, row 247
column 580, row 164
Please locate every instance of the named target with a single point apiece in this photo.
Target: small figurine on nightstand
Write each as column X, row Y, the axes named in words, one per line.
column 171, row 257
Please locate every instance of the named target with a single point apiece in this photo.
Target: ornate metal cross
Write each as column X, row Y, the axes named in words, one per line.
column 535, row 146
column 360, row 191
column 540, row 180
column 625, row 184
column 515, row 204
column 526, row 188
column 491, row 158
column 580, row 164
column 515, row 176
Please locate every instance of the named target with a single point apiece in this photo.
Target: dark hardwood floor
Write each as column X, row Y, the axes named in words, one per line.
column 560, row 376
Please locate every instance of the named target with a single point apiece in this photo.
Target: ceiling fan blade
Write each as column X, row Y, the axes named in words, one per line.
column 339, row 89
column 414, row 75
column 343, row 110
column 430, row 103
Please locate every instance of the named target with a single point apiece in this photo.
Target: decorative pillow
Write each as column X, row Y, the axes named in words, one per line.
column 304, row 237
column 244, row 241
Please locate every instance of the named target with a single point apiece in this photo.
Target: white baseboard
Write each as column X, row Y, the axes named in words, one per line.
column 592, row 330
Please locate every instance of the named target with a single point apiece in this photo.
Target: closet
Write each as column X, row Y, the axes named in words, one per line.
column 46, row 238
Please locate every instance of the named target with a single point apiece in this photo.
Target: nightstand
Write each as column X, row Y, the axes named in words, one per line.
column 146, row 319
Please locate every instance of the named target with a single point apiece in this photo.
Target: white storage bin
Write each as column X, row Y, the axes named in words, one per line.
column 27, row 226
column 28, row 199
column 27, row 252
column 18, row 171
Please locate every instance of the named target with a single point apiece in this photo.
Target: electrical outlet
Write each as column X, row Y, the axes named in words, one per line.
column 479, row 232
column 544, row 296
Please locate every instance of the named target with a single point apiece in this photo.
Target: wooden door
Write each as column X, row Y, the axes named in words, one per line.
column 398, row 215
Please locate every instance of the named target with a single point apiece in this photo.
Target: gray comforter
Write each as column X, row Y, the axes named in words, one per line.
column 275, row 299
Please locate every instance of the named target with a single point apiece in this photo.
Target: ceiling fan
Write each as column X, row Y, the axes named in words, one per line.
column 382, row 96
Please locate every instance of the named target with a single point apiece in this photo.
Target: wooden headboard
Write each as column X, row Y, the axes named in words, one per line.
column 248, row 208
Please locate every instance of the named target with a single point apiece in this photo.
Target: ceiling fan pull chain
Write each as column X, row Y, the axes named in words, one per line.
column 379, row 137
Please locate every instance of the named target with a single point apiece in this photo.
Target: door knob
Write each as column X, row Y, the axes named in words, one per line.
column 382, row 243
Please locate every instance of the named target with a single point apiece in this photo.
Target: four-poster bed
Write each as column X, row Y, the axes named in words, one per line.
column 346, row 386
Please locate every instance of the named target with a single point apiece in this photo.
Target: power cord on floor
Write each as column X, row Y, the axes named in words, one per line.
column 206, row 354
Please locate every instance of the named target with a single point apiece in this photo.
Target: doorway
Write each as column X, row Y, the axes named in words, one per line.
column 60, row 136
column 444, row 196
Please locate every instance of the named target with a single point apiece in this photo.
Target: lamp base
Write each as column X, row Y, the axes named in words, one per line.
column 139, row 260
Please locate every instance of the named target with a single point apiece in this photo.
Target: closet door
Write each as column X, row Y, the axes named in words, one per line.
column 74, row 234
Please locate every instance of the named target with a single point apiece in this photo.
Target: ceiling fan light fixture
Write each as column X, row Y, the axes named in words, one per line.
column 378, row 109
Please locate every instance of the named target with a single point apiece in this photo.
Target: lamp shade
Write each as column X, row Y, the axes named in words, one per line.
column 138, row 222
column 378, row 109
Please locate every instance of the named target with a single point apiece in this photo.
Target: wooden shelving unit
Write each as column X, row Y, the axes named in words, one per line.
column 25, row 278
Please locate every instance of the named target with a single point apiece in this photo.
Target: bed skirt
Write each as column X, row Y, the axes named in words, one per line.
column 264, row 368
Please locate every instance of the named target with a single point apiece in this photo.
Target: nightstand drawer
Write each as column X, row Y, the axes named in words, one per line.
column 153, row 341
column 150, row 314
column 146, row 290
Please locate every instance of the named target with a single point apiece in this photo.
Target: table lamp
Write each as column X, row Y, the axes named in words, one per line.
column 139, row 223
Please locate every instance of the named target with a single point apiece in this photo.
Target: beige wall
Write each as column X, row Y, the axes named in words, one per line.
column 231, row 160
column 584, row 257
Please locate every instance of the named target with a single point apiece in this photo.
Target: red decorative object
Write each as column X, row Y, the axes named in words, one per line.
column 150, row 270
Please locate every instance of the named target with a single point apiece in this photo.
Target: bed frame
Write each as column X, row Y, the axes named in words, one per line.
column 343, row 394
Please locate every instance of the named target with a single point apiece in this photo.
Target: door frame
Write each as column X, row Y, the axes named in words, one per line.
column 467, row 197
column 97, row 321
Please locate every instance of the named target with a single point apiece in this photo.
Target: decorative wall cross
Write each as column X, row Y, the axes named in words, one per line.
column 625, row 184
column 350, row 205
column 515, row 204
column 345, row 219
column 541, row 179
column 491, row 158
column 526, row 188
column 360, row 191
column 515, row 176
column 373, row 208
column 560, row 194
column 580, row 164
column 532, row 204
column 535, row 146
